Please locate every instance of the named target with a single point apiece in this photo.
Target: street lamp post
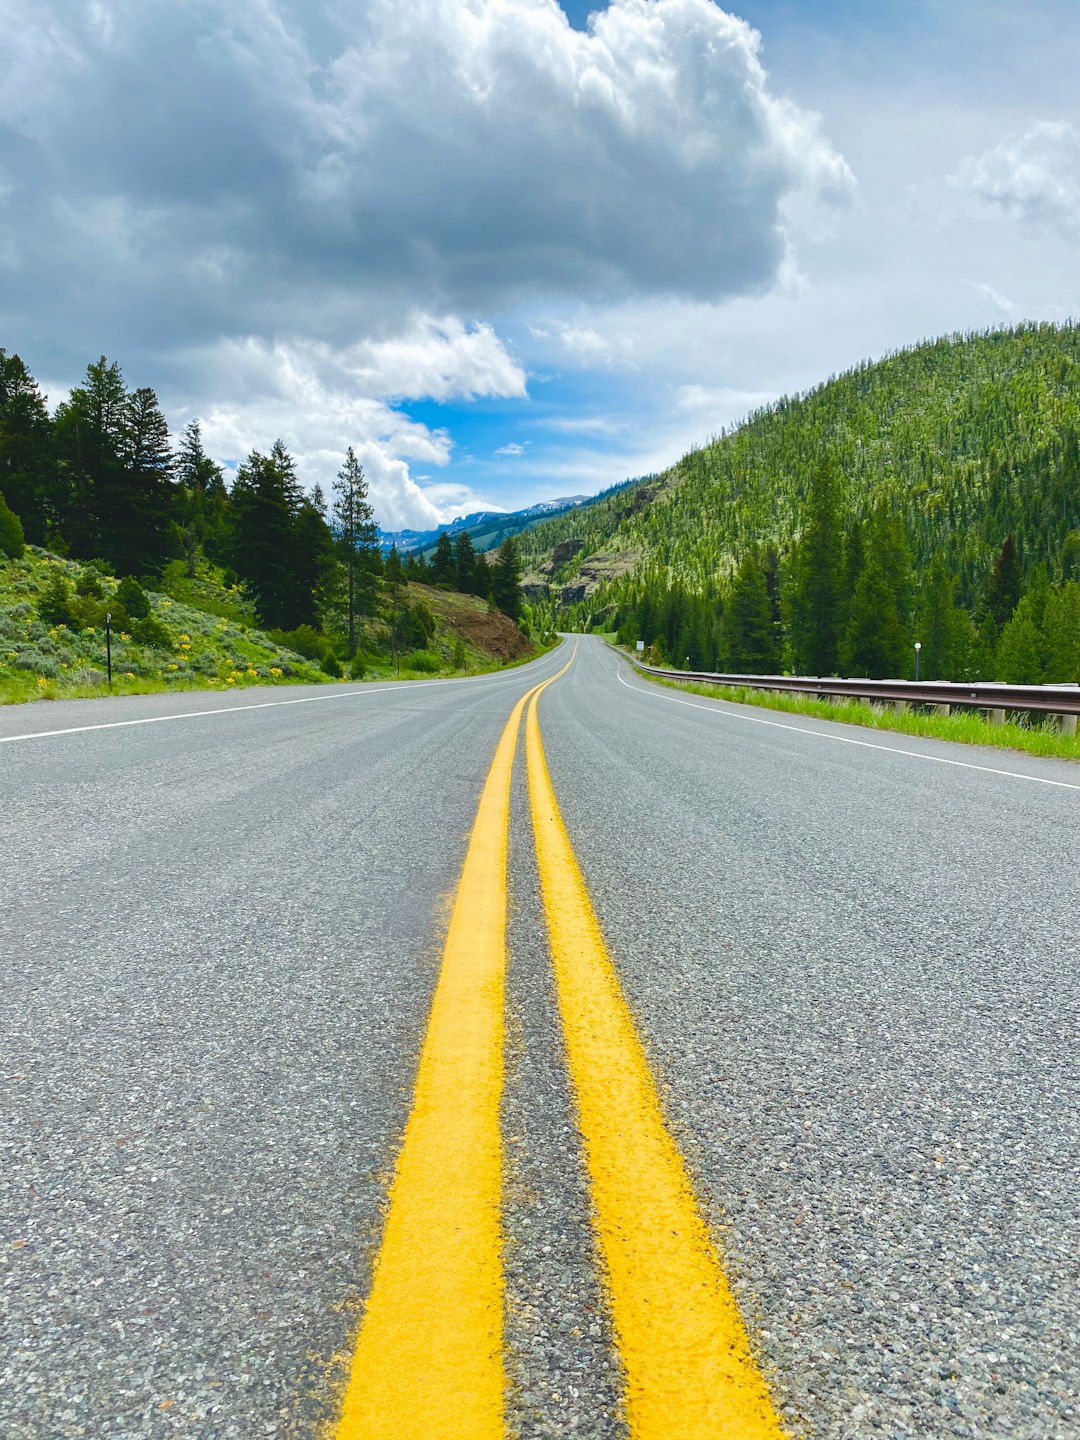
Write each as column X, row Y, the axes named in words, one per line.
column 918, row 647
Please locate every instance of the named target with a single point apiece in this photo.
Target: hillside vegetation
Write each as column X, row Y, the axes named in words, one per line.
column 210, row 584
column 933, row 495
column 202, row 634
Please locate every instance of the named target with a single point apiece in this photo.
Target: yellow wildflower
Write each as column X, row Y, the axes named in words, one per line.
column 185, row 646
column 251, row 671
column 185, row 637
column 90, row 630
column 42, row 681
column 275, row 671
column 229, row 679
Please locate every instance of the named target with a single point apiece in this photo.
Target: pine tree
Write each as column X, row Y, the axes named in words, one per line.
column 814, row 590
column 442, row 561
column 506, row 578
column 264, row 542
column 90, row 430
column 1021, row 648
column 1061, row 632
column 136, row 510
column 750, row 636
column 464, row 563
column 194, row 468
column 315, row 566
column 26, row 475
column 481, row 586
column 1004, row 584
column 941, row 626
column 358, row 539
column 12, row 543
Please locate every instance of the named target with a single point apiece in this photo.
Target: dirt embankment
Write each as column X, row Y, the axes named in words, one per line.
column 487, row 630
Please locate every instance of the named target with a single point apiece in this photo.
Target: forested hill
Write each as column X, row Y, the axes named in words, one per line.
column 953, row 464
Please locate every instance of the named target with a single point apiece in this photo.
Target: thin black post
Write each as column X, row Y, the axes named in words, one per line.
column 108, row 645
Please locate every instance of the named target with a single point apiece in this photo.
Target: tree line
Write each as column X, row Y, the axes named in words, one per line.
column 100, row 480
column 845, row 599
column 930, row 496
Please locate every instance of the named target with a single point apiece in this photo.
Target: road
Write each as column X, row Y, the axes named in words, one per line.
column 850, row 961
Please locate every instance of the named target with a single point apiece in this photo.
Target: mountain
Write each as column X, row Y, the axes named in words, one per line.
column 960, row 444
column 487, row 528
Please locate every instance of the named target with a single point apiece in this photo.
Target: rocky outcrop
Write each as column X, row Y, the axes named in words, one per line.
column 564, row 551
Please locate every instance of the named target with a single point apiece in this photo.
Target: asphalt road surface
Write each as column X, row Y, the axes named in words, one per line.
column 851, row 960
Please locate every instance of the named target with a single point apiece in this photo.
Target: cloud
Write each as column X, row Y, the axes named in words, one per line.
column 512, row 449
column 721, row 401
column 1033, row 177
column 303, row 392
column 228, row 167
column 288, row 217
column 1002, row 302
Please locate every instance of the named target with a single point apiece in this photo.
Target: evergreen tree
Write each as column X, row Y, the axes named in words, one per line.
column 25, row 439
column 136, row 510
column 442, row 561
column 90, row 429
column 506, row 578
column 194, row 468
column 750, row 635
column 814, row 590
column 481, row 586
column 1020, row 649
column 357, row 533
column 943, row 629
column 315, row 566
column 464, row 563
column 12, row 542
column 1004, row 584
column 1061, row 634
column 266, row 502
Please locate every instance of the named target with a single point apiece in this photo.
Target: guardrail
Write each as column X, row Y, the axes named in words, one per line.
column 1060, row 701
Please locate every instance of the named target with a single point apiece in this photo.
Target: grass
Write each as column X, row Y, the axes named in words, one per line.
column 968, row 727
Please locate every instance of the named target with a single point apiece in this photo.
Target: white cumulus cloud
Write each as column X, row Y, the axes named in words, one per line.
column 1033, row 177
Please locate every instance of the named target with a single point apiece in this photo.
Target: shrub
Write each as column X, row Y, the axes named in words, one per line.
column 54, row 605
column 460, row 656
column 331, row 665
column 305, row 640
column 134, row 599
column 12, row 540
column 425, row 620
column 39, row 663
column 89, row 584
column 424, row 662
column 150, row 631
column 358, row 665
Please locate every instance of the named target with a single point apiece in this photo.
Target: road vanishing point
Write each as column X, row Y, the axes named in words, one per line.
column 539, row 1054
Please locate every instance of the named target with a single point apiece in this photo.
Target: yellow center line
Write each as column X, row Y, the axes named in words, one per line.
column 690, row 1372
column 428, row 1360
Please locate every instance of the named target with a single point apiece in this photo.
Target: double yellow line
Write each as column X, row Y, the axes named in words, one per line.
column 429, row 1358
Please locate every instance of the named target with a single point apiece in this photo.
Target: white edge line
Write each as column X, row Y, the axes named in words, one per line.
column 718, row 707
column 398, row 688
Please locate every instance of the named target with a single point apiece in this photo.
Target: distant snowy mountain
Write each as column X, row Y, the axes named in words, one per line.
column 487, row 528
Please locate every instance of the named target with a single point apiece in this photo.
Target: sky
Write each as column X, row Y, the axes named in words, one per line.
column 510, row 251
